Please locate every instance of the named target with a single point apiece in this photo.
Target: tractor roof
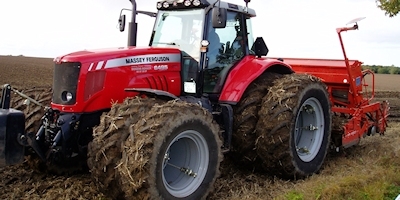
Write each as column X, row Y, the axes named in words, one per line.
column 234, row 7
column 189, row 4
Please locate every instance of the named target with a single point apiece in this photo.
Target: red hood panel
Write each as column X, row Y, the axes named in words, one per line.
column 105, row 74
column 110, row 53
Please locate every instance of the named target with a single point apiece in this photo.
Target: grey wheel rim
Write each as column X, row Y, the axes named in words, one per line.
column 309, row 130
column 185, row 163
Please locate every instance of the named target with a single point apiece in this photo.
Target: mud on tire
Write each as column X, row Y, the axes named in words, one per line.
column 104, row 152
column 294, row 126
column 338, row 121
column 174, row 152
column 33, row 113
column 246, row 117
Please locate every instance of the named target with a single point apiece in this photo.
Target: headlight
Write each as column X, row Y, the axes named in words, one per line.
column 187, row 3
column 196, row 2
column 69, row 96
column 66, row 96
column 165, row 4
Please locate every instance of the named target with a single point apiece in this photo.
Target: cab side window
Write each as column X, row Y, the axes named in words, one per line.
column 227, row 46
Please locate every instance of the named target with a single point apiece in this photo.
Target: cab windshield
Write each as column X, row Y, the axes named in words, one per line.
column 179, row 29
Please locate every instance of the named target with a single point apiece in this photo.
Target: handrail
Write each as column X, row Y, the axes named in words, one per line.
column 366, row 72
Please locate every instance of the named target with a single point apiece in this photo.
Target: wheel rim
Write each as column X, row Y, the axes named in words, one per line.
column 185, row 163
column 309, row 130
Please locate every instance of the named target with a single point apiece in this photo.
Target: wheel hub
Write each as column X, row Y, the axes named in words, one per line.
column 309, row 129
column 185, row 163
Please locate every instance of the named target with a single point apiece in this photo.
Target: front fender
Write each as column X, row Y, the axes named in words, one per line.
column 245, row 73
column 153, row 93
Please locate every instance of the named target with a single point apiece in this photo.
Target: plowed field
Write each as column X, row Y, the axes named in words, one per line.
column 358, row 173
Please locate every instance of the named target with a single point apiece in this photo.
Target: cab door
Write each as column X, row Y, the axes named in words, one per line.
column 226, row 47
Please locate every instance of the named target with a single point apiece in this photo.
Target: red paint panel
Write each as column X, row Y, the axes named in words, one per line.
column 102, row 81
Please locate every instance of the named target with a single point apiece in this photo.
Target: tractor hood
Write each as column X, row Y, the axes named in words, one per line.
column 112, row 53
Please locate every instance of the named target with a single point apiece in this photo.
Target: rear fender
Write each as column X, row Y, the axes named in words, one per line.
column 245, row 73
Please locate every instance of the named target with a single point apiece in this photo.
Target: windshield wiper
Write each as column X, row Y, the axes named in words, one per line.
column 167, row 43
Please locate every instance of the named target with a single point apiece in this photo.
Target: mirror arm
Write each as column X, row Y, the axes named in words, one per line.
column 121, row 19
column 150, row 14
column 123, row 9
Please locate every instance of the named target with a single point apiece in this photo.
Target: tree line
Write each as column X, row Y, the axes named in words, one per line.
column 379, row 69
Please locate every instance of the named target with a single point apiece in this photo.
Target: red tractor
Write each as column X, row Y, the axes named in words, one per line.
column 154, row 122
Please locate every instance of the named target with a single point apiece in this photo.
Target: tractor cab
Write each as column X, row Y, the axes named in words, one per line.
column 212, row 36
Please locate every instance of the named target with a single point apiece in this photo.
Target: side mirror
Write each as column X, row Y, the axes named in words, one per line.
column 219, row 16
column 121, row 22
column 259, row 47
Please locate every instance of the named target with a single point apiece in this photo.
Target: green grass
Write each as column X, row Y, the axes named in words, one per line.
column 377, row 185
column 392, row 191
column 370, row 172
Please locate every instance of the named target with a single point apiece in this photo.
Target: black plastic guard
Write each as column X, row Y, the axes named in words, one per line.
column 12, row 124
column 227, row 116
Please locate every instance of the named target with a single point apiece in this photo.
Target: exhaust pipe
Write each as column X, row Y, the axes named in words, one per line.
column 132, row 35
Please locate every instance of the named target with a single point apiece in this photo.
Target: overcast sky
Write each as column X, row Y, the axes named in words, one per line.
column 291, row 28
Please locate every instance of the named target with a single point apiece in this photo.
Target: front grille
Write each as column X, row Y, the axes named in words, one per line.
column 65, row 81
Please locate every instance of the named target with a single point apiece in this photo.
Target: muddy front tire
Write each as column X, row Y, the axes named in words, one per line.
column 104, row 152
column 295, row 127
column 174, row 152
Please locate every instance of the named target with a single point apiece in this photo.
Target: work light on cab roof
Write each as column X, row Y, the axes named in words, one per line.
column 176, row 4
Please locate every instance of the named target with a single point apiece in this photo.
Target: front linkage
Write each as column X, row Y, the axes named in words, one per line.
column 53, row 141
column 56, row 142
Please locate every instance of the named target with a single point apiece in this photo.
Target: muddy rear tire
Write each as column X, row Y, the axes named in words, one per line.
column 33, row 113
column 246, row 117
column 294, row 127
column 174, row 152
column 104, row 152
